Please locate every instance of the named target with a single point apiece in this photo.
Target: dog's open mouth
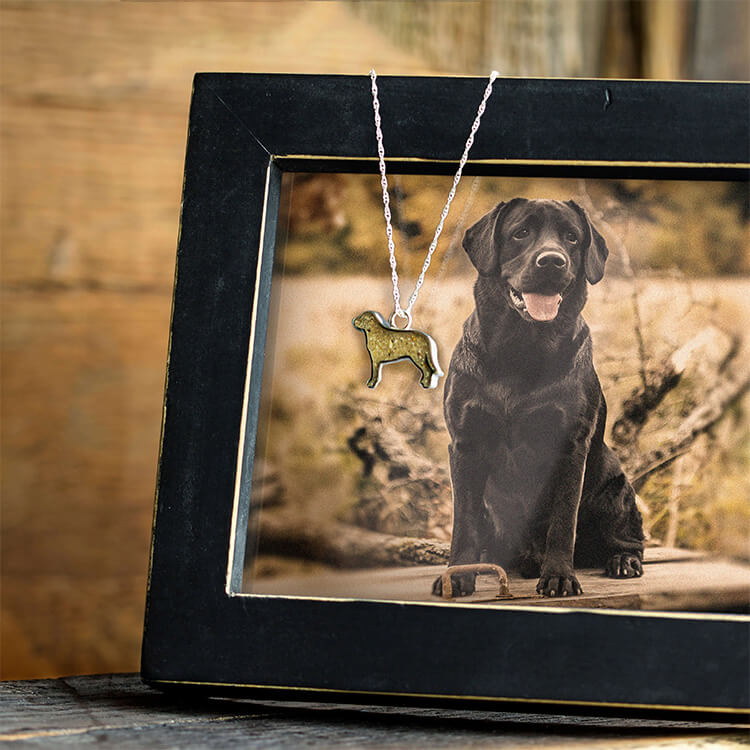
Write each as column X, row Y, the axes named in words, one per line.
column 539, row 307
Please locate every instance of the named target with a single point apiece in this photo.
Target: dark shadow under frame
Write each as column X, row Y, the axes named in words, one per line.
column 244, row 131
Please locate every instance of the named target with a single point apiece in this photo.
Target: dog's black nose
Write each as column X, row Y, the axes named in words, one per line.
column 551, row 259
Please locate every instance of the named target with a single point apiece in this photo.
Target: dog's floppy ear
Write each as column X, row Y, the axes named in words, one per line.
column 479, row 240
column 595, row 250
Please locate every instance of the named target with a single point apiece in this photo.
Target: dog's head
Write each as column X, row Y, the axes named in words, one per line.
column 538, row 250
column 367, row 321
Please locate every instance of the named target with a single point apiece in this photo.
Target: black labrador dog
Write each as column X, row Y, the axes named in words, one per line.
column 534, row 486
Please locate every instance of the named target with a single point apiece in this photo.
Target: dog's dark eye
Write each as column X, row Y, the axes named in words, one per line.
column 519, row 234
column 571, row 237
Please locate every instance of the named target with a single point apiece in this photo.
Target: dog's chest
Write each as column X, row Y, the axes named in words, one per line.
column 498, row 399
column 510, row 401
column 518, row 418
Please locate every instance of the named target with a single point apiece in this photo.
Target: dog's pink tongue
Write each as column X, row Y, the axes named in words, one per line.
column 542, row 306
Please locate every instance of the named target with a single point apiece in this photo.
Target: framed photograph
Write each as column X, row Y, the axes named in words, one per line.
column 531, row 488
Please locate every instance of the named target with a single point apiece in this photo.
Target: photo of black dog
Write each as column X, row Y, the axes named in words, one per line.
column 535, row 488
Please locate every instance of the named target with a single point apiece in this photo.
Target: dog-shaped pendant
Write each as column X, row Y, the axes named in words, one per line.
column 388, row 344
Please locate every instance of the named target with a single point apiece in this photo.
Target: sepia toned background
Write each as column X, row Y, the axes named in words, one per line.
column 93, row 120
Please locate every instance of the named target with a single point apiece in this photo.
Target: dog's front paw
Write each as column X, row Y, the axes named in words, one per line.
column 558, row 585
column 462, row 584
column 624, row 565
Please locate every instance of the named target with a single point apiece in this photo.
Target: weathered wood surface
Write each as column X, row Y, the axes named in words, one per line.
column 119, row 711
column 672, row 580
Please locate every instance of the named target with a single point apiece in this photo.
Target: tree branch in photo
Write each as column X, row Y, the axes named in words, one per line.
column 343, row 544
column 402, row 491
column 728, row 391
column 711, row 346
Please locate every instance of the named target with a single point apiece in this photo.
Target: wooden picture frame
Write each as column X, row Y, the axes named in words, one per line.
column 201, row 633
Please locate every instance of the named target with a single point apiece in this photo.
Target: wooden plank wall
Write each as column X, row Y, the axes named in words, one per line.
column 662, row 39
column 530, row 37
column 94, row 117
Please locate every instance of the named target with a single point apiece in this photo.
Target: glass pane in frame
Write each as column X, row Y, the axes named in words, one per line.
column 351, row 490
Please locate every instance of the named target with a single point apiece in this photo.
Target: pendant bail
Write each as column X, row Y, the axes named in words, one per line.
column 400, row 313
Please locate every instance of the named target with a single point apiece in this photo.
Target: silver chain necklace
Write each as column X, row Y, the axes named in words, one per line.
column 398, row 311
column 385, row 342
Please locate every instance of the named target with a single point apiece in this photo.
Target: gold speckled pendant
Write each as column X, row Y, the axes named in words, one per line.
column 388, row 344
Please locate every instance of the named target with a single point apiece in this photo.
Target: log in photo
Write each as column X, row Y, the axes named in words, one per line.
column 512, row 459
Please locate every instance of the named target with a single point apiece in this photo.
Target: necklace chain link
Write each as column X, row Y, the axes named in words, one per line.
column 398, row 311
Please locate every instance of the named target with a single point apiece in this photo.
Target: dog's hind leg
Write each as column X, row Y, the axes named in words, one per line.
column 610, row 528
column 624, row 536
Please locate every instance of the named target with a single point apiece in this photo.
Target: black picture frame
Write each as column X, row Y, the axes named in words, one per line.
column 245, row 130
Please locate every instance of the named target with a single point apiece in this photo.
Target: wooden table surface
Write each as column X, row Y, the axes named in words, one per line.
column 120, row 711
